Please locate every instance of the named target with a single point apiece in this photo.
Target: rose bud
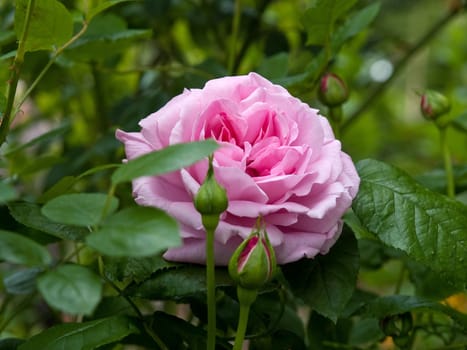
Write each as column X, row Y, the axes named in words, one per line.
column 253, row 263
column 433, row 105
column 211, row 200
column 332, row 90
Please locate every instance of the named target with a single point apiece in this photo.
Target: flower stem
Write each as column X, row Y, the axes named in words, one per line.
column 447, row 162
column 211, row 289
column 335, row 116
column 246, row 297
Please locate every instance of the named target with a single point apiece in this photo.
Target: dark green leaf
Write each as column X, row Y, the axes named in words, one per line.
column 80, row 209
column 319, row 19
column 10, row 343
column 30, row 215
column 18, row 249
column 397, row 304
column 135, row 232
column 166, row 160
column 106, row 36
column 135, row 269
column 22, row 282
column 274, row 67
column 51, row 24
column 83, row 336
column 429, row 227
column 177, row 283
column 327, row 282
column 73, row 289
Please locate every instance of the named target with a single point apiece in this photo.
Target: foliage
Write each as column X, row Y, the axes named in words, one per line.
column 81, row 265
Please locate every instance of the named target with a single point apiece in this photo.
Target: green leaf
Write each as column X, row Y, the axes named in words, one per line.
column 102, row 7
column 135, row 232
column 177, row 283
column 327, row 282
column 61, row 187
column 319, row 19
column 51, row 25
column 274, row 67
column 135, row 269
column 18, row 249
column 429, row 227
column 397, row 304
column 84, row 336
column 460, row 122
column 46, row 137
column 80, row 209
column 7, row 193
column 165, row 160
column 22, row 282
column 73, row 289
column 106, row 36
column 10, row 343
column 30, row 215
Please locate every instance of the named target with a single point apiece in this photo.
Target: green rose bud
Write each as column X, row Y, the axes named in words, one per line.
column 253, row 263
column 433, row 105
column 332, row 90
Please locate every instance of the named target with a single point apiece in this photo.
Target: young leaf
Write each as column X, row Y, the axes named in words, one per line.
column 18, row 249
column 429, row 227
column 327, row 282
column 135, row 232
column 80, row 209
column 165, row 160
column 84, row 336
column 319, row 19
column 51, row 25
column 30, row 215
column 73, row 289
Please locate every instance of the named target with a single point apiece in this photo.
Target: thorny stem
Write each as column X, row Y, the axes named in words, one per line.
column 398, row 67
column 6, row 120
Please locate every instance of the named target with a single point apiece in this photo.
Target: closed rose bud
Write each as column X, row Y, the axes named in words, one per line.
column 253, row 263
column 433, row 105
column 332, row 90
column 211, row 200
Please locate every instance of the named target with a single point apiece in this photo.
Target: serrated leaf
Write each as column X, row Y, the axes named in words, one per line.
column 319, row 19
column 30, row 215
column 22, row 282
column 177, row 283
column 135, row 232
column 80, row 209
column 18, row 249
column 84, row 336
column 73, row 289
column 327, row 282
column 135, row 269
column 51, row 25
column 165, row 160
column 102, row 7
column 429, row 227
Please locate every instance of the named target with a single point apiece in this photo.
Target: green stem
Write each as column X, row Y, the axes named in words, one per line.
column 211, row 289
column 335, row 116
column 16, row 69
column 447, row 162
column 241, row 328
column 234, row 38
column 246, row 297
column 373, row 96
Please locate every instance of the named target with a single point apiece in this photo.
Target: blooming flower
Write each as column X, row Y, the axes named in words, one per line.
column 278, row 159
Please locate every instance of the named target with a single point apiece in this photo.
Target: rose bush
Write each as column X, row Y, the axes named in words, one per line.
column 278, row 159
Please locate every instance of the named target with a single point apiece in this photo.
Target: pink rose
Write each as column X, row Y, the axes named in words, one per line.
column 278, row 158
